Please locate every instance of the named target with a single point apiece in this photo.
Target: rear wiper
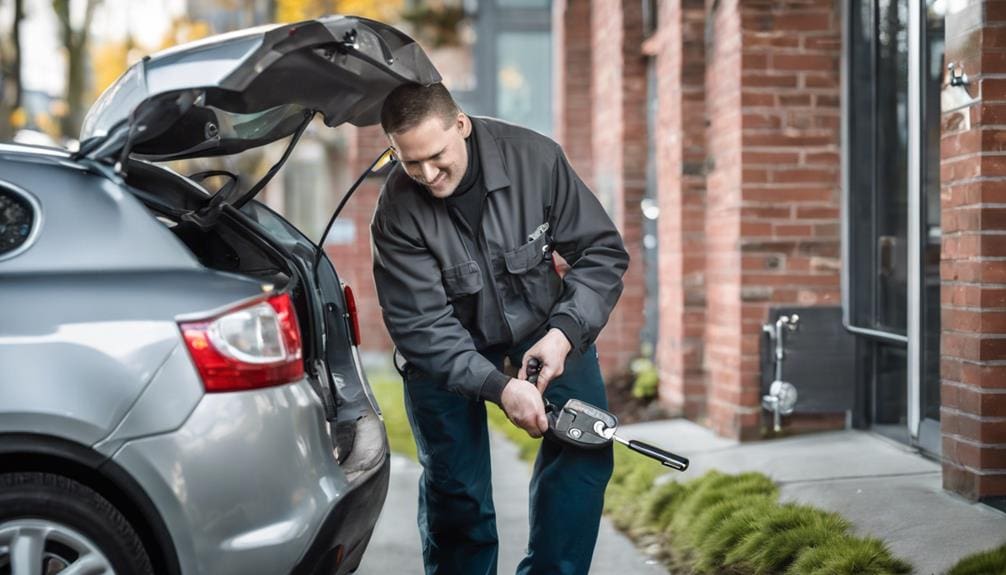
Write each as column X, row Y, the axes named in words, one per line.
column 386, row 158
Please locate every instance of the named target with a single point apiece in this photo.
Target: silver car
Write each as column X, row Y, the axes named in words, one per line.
column 180, row 388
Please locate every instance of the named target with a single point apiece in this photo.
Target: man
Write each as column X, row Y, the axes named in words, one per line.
column 463, row 238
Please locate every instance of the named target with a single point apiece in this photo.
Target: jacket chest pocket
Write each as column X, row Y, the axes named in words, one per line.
column 527, row 256
column 533, row 275
column 461, row 280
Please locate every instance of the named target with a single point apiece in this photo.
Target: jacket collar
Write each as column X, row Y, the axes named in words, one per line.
column 493, row 169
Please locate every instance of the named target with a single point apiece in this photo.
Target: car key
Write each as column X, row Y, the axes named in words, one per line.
column 583, row 425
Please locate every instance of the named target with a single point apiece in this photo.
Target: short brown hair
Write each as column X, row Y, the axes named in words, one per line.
column 409, row 104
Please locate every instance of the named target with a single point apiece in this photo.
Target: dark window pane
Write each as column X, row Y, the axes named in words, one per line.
column 891, row 201
column 933, row 67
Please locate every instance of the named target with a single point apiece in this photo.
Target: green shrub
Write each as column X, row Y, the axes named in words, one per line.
column 645, row 378
column 718, row 539
column 660, row 505
column 721, row 523
column 847, row 555
column 992, row 562
column 782, row 534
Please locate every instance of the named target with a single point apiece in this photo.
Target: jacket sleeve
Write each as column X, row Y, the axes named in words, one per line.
column 586, row 237
column 418, row 315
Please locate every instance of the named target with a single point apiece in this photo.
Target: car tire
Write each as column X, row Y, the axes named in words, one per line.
column 57, row 521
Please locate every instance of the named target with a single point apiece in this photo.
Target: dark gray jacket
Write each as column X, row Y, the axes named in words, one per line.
column 427, row 266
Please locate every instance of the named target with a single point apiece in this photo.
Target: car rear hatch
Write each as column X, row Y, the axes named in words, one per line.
column 242, row 90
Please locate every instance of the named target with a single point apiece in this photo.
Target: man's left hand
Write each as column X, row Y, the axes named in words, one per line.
column 551, row 350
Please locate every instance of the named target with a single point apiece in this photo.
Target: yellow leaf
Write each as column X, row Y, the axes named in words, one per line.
column 18, row 117
column 385, row 11
column 109, row 61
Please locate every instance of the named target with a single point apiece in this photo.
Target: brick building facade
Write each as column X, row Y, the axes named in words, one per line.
column 760, row 115
column 973, row 179
column 799, row 158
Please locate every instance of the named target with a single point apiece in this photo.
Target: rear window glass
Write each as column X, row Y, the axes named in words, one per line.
column 18, row 221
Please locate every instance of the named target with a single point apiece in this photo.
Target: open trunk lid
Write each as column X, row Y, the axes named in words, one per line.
column 246, row 89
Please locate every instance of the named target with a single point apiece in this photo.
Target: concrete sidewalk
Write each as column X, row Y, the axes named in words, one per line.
column 885, row 489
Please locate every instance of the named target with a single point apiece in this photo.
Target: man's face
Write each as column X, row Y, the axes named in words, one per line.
column 434, row 154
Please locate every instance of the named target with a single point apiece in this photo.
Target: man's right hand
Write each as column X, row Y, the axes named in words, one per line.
column 522, row 403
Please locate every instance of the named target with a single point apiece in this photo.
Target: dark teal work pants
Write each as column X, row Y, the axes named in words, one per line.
column 457, row 520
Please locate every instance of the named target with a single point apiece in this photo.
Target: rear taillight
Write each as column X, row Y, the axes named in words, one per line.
column 354, row 318
column 253, row 346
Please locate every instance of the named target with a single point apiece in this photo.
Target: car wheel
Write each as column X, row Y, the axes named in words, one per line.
column 51, row 524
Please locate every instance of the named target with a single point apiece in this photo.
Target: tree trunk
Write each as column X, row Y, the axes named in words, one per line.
column 16, row 49
column 75, row 62
column 75, row 44
column 10, row 71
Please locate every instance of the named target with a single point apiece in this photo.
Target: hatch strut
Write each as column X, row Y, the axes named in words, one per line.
column 244, row 198
column 382, row 160
column 206, row 216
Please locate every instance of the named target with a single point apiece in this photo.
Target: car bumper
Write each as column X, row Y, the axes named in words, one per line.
column 249, row 483
column 346, row 532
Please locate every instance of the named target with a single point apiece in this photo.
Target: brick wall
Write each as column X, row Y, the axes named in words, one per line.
column 772, row 224
column 353, row 261
column 973, row 174
column 619, row 157
column 678, row 46
column 573, row 107
column 722, row 225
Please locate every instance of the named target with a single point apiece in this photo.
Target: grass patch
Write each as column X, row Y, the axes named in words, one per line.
column 992, row 562
column 389, row 393
column 734, row 524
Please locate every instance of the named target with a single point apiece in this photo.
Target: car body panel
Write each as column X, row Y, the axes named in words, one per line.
column 164, row 405
column 74, row 366
column 77, row 380
column 241, row 90
column 267, row 441
column 68, row 195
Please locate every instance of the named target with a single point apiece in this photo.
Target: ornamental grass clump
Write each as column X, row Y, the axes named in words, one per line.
column 721, row 523
column 992, row 562
column 782, row 534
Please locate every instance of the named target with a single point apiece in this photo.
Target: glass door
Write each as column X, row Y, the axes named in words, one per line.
column 876, row 243
column 891, row 233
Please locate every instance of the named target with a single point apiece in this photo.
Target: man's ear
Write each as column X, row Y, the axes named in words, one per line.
column 464, row 124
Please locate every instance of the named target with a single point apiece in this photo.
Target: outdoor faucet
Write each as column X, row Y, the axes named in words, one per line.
column 782, row 395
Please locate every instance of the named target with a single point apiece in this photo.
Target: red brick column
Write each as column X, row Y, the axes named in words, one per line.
column 679, row 45
column 619, row 152
column 772, row 227
column 973, row 173
column 727, row 413
column 571, row 30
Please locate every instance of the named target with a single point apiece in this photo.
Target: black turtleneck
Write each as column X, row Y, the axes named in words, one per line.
column 466, row 200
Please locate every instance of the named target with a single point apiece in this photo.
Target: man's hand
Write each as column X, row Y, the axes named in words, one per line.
column 551, row 350
column 522, row 403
